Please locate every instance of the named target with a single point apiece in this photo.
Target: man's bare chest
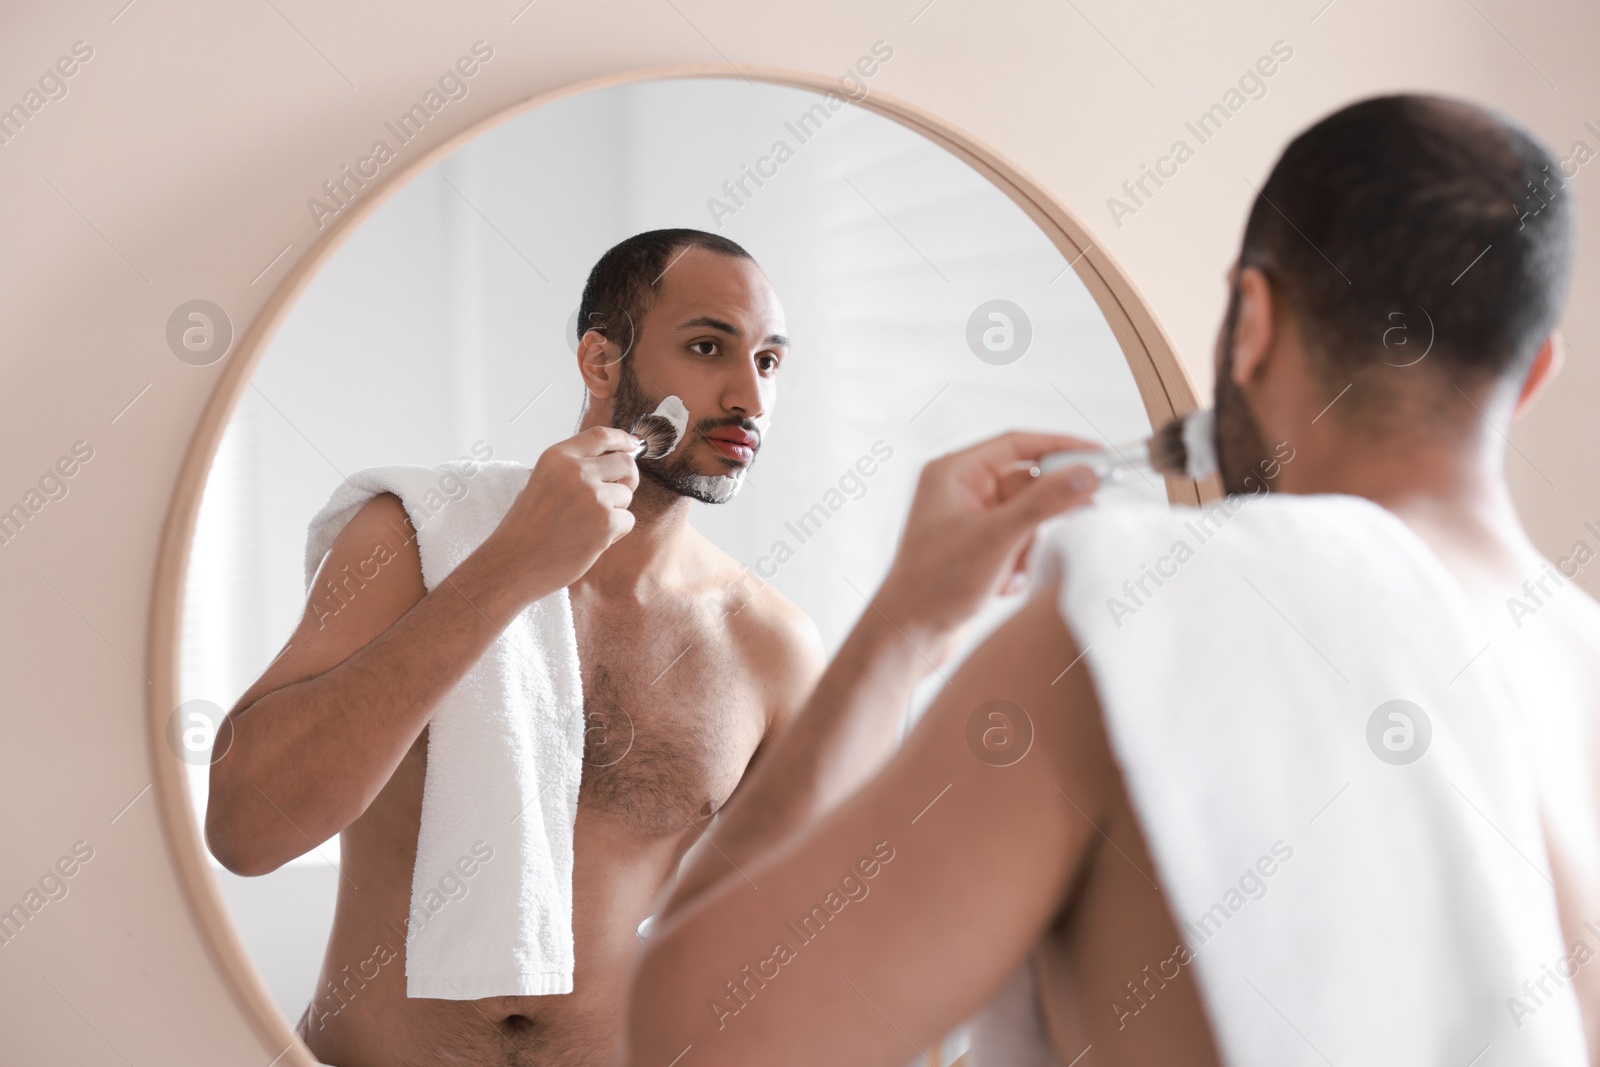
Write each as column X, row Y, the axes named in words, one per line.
column 671, row 715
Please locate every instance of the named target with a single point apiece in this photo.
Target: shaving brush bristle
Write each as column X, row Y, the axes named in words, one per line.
column 1186, row 446
column 1168, row 453
column 662, row 429
column 659, row 434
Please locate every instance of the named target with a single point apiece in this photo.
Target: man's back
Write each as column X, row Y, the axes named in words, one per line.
column 1116, row 944
column 1546, row 631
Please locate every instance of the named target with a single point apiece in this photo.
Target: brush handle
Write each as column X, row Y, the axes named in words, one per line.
column 1108, row 464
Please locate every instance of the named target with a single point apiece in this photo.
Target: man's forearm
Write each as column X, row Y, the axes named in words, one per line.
column 844, row 734
column 305, row 760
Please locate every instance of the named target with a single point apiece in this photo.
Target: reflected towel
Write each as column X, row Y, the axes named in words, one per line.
column 1352, row 889
column 491, row 893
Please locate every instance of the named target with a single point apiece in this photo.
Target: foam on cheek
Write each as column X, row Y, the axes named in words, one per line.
column 673, row 410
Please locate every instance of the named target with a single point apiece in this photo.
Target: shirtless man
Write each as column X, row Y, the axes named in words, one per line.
column 687, row 672
column 1400, row 193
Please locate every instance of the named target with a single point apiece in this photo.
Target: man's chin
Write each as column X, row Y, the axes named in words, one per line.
column 706, row 488
column 716, row 488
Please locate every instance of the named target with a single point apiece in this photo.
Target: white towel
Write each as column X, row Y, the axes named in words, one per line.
column 491, row 893
column 1404, row 905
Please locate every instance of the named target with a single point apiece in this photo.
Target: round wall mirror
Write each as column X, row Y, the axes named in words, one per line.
column 925, row 309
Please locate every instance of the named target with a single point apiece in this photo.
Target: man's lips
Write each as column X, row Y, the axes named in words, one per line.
column 736, row 444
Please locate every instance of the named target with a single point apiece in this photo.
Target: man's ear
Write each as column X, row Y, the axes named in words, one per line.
column 599, row 361
column 1255, row 327
column 1547, row 363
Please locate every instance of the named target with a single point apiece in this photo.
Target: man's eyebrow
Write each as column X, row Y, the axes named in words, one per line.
column 713, row 323
column 721, row 326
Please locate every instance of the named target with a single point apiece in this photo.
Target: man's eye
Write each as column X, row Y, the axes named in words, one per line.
column 767, row 362
column 704, row 348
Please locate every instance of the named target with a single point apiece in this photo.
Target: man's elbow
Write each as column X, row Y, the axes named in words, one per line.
column 240, row 851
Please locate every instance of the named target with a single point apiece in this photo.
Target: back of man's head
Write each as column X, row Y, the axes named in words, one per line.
column 1428, row 209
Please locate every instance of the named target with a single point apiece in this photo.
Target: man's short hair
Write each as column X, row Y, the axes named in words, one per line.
column 622, row 285
column 1423, row 206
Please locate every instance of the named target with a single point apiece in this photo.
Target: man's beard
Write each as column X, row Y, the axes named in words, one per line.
column 673, row 472
column 1241, row 447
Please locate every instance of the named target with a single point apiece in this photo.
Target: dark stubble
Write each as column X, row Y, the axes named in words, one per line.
column 1241, row 446
column 673, row 471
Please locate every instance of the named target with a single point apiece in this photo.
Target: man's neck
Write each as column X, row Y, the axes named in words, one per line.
column 1453, row 492
column 646, row 556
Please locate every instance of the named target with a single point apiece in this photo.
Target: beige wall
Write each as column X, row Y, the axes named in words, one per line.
column 178, row 165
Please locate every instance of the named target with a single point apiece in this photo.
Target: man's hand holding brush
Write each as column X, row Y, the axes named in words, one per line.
column 967, row 538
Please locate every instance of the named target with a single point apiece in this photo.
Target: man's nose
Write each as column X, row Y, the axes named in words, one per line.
column 744, row 393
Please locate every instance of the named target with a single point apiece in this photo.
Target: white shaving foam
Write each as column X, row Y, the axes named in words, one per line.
column 673, row 410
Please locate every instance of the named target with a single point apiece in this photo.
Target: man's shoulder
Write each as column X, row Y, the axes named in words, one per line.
column 428, row 488
column 769, row 616
column 1554, row 586
column 1247, row 525
column 778, row 638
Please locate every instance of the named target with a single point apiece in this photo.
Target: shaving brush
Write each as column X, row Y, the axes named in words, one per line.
column 660, row 431
column 1185, row 446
